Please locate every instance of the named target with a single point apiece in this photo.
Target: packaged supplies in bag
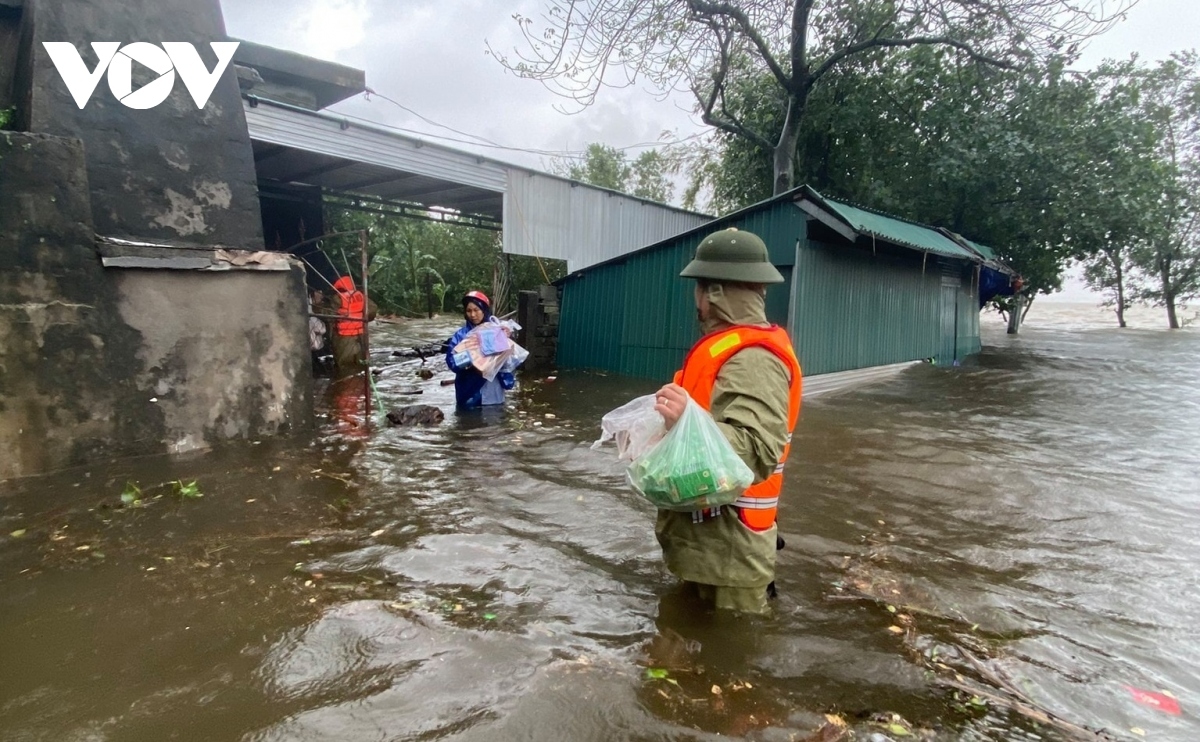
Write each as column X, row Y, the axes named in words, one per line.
column 517, row 357
column 482, row 344
column 635, row 426
column 492, row 339
column 490, row 366
column 692, row 467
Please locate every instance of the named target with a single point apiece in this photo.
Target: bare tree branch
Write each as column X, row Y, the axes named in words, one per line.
column 878, row 43
column 727, row 123
column 748, row 30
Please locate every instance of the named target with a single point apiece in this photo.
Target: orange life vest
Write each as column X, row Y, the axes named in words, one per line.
column 352, row 305
column 758, row 504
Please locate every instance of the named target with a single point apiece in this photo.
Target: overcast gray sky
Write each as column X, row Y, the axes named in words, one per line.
column 429, row 55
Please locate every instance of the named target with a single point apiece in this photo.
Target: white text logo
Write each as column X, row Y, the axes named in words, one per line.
column 117, row 60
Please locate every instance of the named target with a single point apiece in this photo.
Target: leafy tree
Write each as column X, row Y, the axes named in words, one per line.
column 417, row 262
column 608, row 167
column 1116, row 200
column 1170, row 252
column 602, row 166
column 992, row 154
column 648, row 176
column 713, row 48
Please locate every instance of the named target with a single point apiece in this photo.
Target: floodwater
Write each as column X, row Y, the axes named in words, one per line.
column 1015, row 533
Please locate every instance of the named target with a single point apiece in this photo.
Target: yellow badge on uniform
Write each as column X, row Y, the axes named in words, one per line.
column 729, row 341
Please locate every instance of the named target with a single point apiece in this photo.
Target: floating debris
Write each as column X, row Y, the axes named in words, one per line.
column 1164, row 701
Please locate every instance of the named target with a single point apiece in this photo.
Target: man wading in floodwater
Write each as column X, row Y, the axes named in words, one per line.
column 348, row 302
column 745, row 373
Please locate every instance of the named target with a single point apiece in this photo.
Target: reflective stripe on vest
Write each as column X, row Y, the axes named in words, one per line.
column 352, row 305
column 757, row 505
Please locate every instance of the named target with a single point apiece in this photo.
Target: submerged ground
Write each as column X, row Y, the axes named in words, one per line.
column 1018, row 531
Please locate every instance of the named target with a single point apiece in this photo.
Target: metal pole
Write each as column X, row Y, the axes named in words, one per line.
column 319, row 275
column 321, row 237
column 366, row 339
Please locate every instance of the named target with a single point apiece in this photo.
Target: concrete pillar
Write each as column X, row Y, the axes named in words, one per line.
column 537, row 313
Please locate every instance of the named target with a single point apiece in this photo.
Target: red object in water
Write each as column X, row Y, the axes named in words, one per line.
column 1155, row 700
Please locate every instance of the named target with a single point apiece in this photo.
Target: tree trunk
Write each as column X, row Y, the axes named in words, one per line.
column 1120, row 294
column 1015, row 317
column 785, row 150
column 1168, row 296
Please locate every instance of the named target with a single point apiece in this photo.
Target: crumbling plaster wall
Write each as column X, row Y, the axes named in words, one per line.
column 221, row 353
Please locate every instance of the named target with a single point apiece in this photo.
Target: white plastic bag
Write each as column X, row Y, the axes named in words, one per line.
column 635, row 426
column 518, row 357
column 693, row 467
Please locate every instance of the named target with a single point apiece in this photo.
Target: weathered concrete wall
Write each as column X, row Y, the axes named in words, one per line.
column 98, row 363
column 171, row 173
column 223, row 355
column 63, row 394
column 10, row 42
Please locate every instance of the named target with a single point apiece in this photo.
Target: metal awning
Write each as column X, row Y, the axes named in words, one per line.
column 293, row 145
column 372, row 168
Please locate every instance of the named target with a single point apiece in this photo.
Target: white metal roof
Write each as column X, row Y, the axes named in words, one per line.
column 542, row 214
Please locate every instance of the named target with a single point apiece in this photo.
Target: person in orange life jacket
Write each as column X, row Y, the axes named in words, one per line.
column 348, row 302
column 470, row 388
column 745, row 373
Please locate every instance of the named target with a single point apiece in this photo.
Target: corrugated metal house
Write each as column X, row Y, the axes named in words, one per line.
column 862, row 290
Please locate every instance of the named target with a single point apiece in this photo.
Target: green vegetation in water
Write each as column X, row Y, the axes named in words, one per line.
column 8, row 117
column 186, row 491
column 131, row 495
column 135, row 496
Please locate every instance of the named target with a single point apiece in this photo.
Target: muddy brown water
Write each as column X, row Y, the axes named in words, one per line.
column 493, row 579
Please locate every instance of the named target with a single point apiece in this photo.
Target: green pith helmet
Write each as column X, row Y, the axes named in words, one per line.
column 730, row 255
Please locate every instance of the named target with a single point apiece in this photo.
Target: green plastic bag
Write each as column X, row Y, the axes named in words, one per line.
column 693, row 467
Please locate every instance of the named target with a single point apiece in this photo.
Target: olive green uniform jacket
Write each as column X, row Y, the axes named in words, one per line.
column 732, row 563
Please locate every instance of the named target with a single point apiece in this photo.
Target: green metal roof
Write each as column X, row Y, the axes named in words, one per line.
column 987, row 252
column 896, row 230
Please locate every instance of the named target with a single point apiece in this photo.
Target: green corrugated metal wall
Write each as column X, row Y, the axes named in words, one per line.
column 849, row 308
column 969, row 342
column 636, row 317
column 854, row 310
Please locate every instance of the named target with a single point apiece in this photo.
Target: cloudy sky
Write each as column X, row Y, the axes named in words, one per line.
column 430, row 56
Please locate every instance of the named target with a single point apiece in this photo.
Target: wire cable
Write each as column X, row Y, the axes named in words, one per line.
column 480, row 141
